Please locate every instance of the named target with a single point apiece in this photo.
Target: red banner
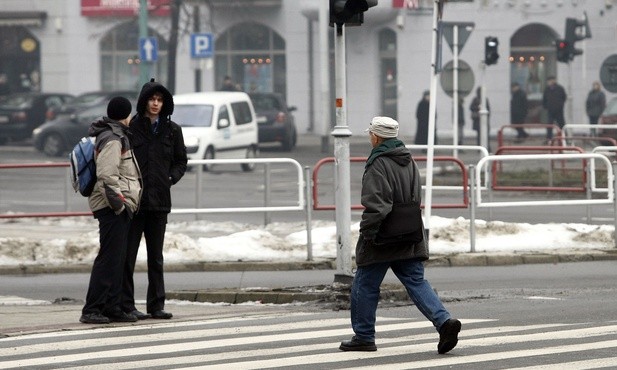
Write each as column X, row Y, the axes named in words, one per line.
column 122, row 8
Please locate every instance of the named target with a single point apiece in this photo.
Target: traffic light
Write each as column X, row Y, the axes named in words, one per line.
column 349, row 12
column 576, row 30
column 563, row 51
column 491, row 55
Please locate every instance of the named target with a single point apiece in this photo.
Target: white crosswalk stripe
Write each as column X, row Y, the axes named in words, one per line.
column 307, row 340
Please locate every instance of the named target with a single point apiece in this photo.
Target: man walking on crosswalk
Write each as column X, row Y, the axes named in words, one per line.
column 392, row 236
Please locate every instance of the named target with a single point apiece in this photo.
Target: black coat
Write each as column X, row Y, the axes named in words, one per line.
column 518, row 107
column 392, row 177
column 162, row 156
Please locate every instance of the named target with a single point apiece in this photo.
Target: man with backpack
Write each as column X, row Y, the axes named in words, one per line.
column 113, row 201
column 161, row 154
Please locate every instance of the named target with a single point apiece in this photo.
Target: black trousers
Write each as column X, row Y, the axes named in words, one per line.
column 105, row 288
column 152, row 226
column 555, row 117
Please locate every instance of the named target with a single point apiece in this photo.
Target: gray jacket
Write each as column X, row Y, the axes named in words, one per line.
column 118, row 183
column 390, row 177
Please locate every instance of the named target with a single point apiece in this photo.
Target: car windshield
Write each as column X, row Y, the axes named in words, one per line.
column 88, row 98
column 91, row 114
column 193, row 115
column 17, row 102
column 611, row 108
column 265, row 103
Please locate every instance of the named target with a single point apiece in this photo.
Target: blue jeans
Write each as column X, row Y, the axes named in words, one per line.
column 365, row 295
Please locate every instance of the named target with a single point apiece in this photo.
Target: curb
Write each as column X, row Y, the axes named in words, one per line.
column 454, row 260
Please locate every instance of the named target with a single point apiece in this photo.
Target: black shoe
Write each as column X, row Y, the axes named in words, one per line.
column 357, row 345
column 160, row 314
column 448, row 335
column 122, row 317
column 94, row 318
column 140, row 315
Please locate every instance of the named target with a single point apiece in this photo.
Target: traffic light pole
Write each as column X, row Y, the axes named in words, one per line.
column 484, row 139
column 144, row 68
column 341, row 134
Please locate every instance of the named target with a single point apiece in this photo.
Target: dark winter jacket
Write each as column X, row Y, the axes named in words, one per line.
column 390, row 176
column 554, row 98
column 117, row 173
column 518, row 107
column 162, row 155
column 595, row 103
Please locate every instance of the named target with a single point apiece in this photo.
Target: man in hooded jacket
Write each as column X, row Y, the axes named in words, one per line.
column 160, row 151
column 391, row 181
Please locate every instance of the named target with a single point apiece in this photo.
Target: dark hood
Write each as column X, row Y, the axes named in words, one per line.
column 147, row 91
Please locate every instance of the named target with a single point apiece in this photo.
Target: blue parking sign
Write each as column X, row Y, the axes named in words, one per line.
column 148, row 49
column 202, row 45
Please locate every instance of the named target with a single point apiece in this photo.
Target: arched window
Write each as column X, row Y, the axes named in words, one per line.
column 388, row 73
column 253, row 55
column 533, row 58
column 120, row 61
column 20, row 60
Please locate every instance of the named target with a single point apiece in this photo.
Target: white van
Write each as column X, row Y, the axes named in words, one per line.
column 219, row 125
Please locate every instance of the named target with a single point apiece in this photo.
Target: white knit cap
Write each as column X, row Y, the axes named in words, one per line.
column 384, row 127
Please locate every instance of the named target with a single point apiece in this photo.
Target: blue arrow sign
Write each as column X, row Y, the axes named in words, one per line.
column 148, row 49
column 202, row 45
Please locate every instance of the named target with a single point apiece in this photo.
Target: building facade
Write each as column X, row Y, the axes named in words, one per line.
column 273, row 45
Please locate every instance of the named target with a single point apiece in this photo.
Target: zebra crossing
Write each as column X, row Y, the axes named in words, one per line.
column 310, row 341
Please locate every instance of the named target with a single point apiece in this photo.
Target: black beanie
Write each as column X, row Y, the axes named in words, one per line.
column 119, row 108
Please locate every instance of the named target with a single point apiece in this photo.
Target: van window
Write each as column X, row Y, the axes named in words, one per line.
column 197, row 115
column 223, row 114
column 242, row 112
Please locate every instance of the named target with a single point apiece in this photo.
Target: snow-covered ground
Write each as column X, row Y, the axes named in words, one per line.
column 75, row 240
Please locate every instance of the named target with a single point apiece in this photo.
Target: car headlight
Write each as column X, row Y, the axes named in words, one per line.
column 36, row 131
column 191, row 143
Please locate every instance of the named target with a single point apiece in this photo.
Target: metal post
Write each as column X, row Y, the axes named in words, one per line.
column 324, row 74
column 199, row 180
column 196, row 22
column 267, row 218
column 484, row 132
column 341, row 135
column 309, row 215
column 472, row 208
column 143, row 32
column 588, row 187
column 455, row 138
column 67, row 186
column 614, row 179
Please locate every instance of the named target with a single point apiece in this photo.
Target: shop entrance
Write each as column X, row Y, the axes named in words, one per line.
column 20, row 61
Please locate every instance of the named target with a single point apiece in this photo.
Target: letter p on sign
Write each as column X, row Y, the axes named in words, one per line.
column 202, row 45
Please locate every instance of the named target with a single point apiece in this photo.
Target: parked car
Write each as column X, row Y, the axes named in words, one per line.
column 217, row 125
column 609, row 117
column 57, row 137
column 89, row 99
column 23, row 112
column 276, row 123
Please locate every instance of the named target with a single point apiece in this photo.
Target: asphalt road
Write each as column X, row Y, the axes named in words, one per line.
column 557, row 316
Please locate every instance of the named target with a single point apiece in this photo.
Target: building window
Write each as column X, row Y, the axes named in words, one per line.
column 253, row 55
column 120, row 61
column 532, row 59
column 388, row 73
column 20, row 60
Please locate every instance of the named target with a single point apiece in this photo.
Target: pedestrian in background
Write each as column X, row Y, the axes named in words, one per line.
column 113, row 202
column 518, row 110
column 392, row 236
column 553, row 100
column 228, row 85
column 595, row 104
column 422, row 118
column 475, row 107
column 159, row 148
